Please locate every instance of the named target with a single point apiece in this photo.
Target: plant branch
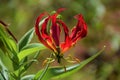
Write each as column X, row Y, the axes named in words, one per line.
column 6, row 27
column 44, row 72
column 35, row 57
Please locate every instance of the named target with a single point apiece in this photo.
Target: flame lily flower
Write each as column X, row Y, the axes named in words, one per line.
column 49, row 34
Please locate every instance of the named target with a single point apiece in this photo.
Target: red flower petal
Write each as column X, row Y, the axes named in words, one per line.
column 80, row 30
column 60, row 10
column 44, row 33
column 41, row 38
column 55, row 30
column 67, row 43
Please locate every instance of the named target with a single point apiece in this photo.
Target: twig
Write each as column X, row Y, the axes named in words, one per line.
column 6, row 27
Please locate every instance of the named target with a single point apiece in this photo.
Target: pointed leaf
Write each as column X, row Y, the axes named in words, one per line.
column 3, row 71
column 7, row 41
column 28, row 77
column 29, row 49
column 26, row 39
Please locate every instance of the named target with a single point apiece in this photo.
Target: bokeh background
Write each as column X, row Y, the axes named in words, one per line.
column 102, row 18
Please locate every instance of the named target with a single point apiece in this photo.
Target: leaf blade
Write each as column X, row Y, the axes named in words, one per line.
column 4, row 71
column 7, row 41
column 26, row 39
column 29, row 49
column 28, row 77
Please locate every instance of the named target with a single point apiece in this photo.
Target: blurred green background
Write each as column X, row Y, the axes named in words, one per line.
column 102, row 18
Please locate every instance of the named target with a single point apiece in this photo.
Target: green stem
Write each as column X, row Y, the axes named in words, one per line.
column 59, row 57
column 44, row 72
column 35, row 57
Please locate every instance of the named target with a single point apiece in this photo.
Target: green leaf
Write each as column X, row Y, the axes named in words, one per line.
column 29, row 49
column 27, row 77
column 25, row 39
column 9, row 45
column 7, row 41
column 3, row 71
column 13, row 45
column 59, row 72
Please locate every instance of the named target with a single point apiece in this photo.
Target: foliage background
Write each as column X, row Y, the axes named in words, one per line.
column 102, row 17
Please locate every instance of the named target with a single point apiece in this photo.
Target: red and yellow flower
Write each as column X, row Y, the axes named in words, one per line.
column 49, row 34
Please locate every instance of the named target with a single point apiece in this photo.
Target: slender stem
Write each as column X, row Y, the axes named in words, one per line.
column 6, row 27
column 35, row 57
column 59, row 57
column 11, row 34
column 44, row 72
